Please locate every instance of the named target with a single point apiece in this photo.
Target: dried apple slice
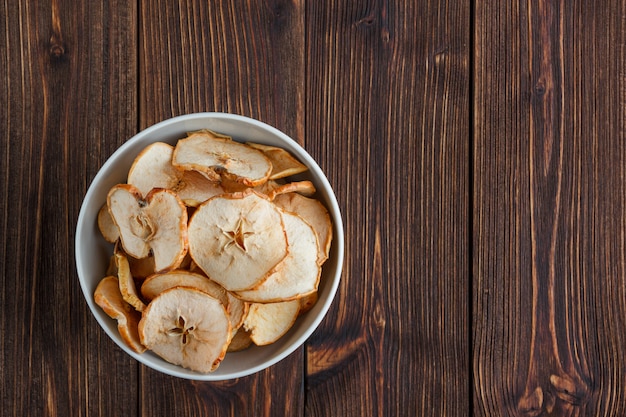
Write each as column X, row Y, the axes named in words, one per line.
column 236, row 239
column 194, row 188
column 186, row 327
column 126, row 282
column 283, row 163
column 314, row 213
column 240, row 341
column 237, row 310
column 157, row 283
column 107, row 226
column 306, row 188
column 109, row 298
column 153, row 168
column 307, row 302
column 141, row 268
column 269, row 322
column 155, row 224
column 217, row 157
column 298, row 274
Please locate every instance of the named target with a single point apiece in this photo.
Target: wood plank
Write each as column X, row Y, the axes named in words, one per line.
column 549, row 223
column 239, row 57
column 388, row 119
column 63, row 80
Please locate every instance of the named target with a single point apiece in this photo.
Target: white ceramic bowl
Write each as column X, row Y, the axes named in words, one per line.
column 93, row 252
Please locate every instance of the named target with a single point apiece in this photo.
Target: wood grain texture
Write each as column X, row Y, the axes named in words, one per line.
column 239, row 57
column 549, row 209
column 478, row 153
column 388, row 89
column 55, row 135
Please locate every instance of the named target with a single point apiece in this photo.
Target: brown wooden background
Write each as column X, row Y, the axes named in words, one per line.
column 478, row 152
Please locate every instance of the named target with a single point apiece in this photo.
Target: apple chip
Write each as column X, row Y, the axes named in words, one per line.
column 186, row 327
column 307, row 302
column 236, row 239
column 240, row 341
column 109, row 298
column 269, row 322
column 217, row 157
column 156, row 224
column 153, row 169
column 237, row 310
column 305, row 188
column 283, row 163
column 157, row 283
column 215, row 248
column 298, row 274
column 107, row 226
column 126, row 282
column 141, row 268
column 314, row 213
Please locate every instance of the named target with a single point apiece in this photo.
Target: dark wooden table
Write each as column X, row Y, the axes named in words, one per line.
column 478, row 153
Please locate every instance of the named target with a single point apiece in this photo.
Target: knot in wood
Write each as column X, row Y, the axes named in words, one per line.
column 56, row 48
column 540, row 89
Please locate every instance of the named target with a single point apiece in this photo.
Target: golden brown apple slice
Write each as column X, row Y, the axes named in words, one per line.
column 314, row 213
column 307, row 302
column 109, row 298
column 306, row 188
column 107, row 226
column 236, row 239
column 217, row 157
column 283, row 163
column 186, row 327
column 298, row 274
column 240, row 341
column 153, row 168
column 155, row 224
column 269, row 322
column 126, row 282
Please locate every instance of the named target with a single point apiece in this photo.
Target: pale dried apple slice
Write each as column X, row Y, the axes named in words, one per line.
column 126, row 282
column 107, row 226
column 217, row 157
column 155, row 224
column 237, row 310
column 298, row 274
column 109, row 298
column 153, row 168
column 269, row 322
column 186, row 327
column 157, row 283
column 236, row 239
column 314, row 213
column 194, row 188
column 283, row 163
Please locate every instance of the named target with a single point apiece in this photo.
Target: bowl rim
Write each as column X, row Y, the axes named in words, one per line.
column 337, row 244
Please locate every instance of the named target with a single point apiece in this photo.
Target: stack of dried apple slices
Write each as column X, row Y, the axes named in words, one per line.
column 214, row 248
